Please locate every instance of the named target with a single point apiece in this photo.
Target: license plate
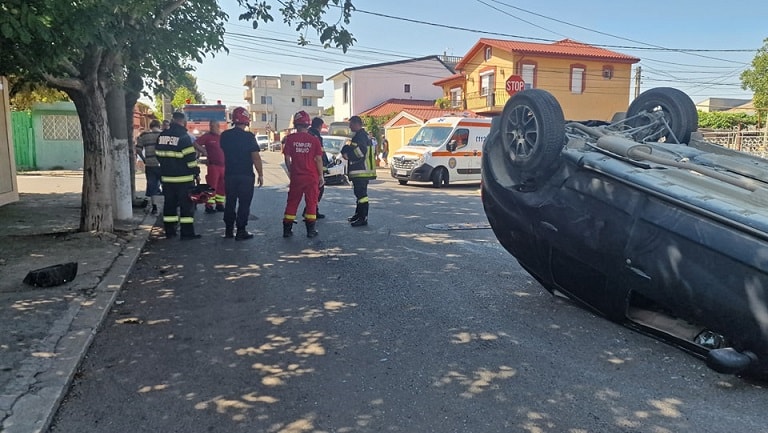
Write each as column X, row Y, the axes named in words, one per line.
column 402, row 173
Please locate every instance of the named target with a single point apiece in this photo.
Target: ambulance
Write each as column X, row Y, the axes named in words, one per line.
column 444, row 150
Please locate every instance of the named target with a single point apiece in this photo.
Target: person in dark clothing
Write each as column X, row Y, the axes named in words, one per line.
column 241, row 156
column 178, row 172
column 317, row 123
column 145, row 148
column 362, row 168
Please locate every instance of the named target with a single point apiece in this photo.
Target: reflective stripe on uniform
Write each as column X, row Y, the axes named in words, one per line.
column 192, row 164
column 188, row 150
column 170, row 218
column 169, row 154
column 186, row 220
column 290, row 217
column 177, row 179
column 363, row 200
column 220, row 198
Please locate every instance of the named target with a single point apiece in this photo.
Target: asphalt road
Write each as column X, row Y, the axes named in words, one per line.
column 402, row 326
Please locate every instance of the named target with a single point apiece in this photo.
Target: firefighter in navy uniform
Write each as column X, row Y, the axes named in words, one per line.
column 361, row 157
column 178, row 171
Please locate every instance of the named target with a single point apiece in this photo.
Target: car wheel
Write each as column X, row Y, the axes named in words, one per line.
column 531, row 134
column 402, row 182
column 440, row 178
column 678, row 108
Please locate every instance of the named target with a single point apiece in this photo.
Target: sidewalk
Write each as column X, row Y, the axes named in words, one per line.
column 45, row 332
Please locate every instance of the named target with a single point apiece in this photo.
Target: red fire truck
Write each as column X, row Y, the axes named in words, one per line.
column 199, row 117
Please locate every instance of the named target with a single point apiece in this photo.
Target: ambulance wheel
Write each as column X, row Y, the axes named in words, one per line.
column 440, row 177
column 532, row 132
column 402, row 182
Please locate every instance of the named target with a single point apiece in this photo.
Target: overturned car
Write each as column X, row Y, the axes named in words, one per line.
column 637, row 220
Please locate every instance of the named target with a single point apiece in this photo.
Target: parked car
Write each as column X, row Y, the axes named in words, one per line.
column 263, row 141
column 275, row 146
column 336, row 171
column 638, row 220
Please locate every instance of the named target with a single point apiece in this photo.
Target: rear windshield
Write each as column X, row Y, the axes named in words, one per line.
column 432, row 136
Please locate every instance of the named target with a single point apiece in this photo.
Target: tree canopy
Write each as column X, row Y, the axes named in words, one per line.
column 756, row 77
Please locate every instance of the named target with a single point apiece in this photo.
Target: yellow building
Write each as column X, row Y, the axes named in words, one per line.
column 589, row 82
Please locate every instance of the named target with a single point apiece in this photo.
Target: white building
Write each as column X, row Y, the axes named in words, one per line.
column 272, row 101
column 359, row 88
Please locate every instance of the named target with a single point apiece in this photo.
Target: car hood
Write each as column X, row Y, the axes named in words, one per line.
column 412, row 152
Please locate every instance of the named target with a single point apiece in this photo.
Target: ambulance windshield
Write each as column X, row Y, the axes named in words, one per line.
column 432, row 136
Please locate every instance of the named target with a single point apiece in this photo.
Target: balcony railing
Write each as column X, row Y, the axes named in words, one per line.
column 492, row 102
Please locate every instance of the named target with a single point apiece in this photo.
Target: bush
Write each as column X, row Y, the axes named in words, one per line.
column 723, row 120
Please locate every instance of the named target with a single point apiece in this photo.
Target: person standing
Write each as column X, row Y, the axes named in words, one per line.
column 145, row 148
column 166, row 125
column 303, row 160
column 360, row 154
column 385, row 151
column 241, row 156
column 209, row 144
column 314, row 129
column 178, row 172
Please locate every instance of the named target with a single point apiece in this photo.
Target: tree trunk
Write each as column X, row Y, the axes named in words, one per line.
column 122, row 197
column 133, row 86
column 96, row 202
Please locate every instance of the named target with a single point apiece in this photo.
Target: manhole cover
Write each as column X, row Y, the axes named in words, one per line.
column 459, row 226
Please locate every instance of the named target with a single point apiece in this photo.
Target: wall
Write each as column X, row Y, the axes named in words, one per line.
column 58, row 140
column 9, row 191
column 601, row 97
column 399, row 131
column 23, row 140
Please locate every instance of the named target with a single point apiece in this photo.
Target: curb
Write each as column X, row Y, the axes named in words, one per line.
column 70, row 337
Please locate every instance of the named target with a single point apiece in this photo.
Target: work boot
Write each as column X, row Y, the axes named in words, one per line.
column 219, row 207
column 362, row 218
column 243, row 235
column 229, row 232
column 188, row 232
column 288, row 229
column 210, row 209
column 319, row 215
column 154, row 209
column 361, row 221
column 354, row 217
column 170, row 231
column 311, row 232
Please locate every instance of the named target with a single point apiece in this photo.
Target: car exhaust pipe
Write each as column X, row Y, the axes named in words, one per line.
column 624, row 147
column 730, row 361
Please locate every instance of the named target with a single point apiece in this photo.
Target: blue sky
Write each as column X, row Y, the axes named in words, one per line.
column 698, row 47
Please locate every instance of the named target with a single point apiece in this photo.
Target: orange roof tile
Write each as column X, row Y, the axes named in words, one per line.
column 563, row 48
column 391, row 106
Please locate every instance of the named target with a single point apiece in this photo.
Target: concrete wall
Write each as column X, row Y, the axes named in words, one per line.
column 58, row 141
column 9, row 191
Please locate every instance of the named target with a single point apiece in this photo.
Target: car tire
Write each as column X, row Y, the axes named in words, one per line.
column 402, row 182
column 679, row 111
column 440, row 177
column 531, row 133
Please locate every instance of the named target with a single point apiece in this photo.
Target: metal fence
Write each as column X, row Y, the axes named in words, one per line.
column 752, row 142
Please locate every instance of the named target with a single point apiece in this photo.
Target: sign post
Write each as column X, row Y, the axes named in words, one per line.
column 515, row 84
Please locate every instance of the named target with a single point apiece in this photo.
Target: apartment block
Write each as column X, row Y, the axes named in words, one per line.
column 273, row 100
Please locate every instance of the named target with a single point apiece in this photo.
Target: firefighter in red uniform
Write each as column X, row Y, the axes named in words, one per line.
column 178, row 172
column 304, row 161
column 209, row 143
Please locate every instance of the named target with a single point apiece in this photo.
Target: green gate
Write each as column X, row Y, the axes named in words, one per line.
column 23, row 140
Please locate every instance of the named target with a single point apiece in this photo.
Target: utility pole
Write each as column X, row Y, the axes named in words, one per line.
column 637, row 81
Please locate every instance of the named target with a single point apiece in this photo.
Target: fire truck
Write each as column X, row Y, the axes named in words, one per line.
column 199, row 117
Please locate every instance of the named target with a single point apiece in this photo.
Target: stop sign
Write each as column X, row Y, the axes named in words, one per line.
column 515, row 84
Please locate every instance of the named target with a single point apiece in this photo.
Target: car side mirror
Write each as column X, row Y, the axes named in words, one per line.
column 451, row 146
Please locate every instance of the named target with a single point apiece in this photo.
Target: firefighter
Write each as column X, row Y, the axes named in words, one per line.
column 303, row 160
column 317, row 123
column 178, row 172
column 241, row 157
column 209, row 144
column 361, row 157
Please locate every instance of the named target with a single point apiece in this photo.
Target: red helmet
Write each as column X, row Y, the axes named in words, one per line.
column 201, row 193
column 301, row 119
column 240, row 116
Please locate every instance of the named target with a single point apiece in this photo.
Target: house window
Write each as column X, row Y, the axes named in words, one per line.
column 528, row 73
column 577, row 79
column 345, row 93
column 293, row 83
column 486, row 84
column 488, row 53
column 263, row 117
column 266, row 100
column 407, row 88
column 293, row 99
column 306, row 85
column 607, row 72
column 306, row 102
column 456, row 97
column 61, row 127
